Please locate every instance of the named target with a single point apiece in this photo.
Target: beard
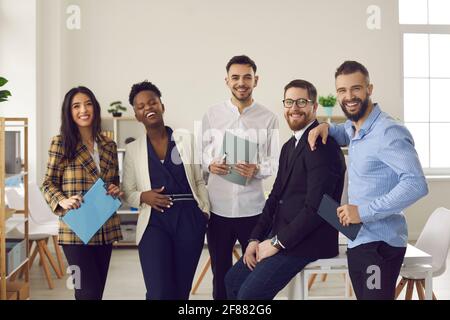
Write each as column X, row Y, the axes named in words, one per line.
column 298, row 125
column 360, row 113
column 243, row 99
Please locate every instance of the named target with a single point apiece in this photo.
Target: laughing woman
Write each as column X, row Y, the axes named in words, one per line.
column 78, row 156
column 161, row 178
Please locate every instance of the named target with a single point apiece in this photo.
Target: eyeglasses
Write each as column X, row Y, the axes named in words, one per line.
column 301, row 103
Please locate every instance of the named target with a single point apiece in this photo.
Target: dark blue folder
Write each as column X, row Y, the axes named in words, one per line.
column 96, row 209
column 327, row 210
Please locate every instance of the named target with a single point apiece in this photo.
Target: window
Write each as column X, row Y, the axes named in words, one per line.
column 434, row 12
column 425, row 26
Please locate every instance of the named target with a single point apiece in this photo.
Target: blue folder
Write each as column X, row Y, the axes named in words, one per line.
column 96, row 209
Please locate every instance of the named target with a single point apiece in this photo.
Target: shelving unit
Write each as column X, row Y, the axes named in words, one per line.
column 19, row 216
column 334, row 119
column 121, row 128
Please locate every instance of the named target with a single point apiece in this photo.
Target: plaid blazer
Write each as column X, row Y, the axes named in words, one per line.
column 66, row 178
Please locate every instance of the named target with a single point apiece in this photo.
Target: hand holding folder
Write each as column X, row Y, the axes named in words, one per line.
column 328, row 211
column 96, row 209
column 237, row 150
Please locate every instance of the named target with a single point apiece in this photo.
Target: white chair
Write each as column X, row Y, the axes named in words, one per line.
column 434, row 240
column 42, row 213
column 300, row 285
column 42, row 224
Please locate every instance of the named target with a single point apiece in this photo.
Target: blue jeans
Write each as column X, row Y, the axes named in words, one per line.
column 267, row 278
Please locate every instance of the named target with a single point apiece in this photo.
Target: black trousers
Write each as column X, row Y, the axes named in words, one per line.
column 93, row 263
column 222, row 234
column 374, row 268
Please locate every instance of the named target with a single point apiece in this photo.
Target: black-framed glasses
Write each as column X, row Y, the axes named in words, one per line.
column 301, row 103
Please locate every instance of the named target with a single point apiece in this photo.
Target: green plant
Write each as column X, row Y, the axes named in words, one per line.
column 4, row 94
column 328, row 101
column 116, row 107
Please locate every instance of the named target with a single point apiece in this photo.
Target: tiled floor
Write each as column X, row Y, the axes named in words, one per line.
column 125, row 281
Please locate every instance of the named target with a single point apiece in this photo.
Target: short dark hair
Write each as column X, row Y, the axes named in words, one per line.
column 349, row 67
column 308, row 86
column 143, row 86
column 242, row 59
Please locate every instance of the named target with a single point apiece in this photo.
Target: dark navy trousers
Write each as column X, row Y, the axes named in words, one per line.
column 268, row 278
column 170, row 249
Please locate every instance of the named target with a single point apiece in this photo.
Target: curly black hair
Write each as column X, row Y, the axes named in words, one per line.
column 143, row 86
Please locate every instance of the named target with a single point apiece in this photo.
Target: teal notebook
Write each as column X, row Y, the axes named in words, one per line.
column 236, row 150
column 96, row 209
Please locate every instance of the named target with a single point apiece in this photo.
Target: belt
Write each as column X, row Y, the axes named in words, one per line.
column 181, row 197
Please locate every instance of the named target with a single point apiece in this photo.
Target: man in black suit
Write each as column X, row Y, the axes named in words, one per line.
column 290, row 234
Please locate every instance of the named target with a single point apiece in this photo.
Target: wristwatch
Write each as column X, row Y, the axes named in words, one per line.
column 276, row 243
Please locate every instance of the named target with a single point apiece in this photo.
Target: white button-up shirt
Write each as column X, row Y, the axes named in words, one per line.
column 257, row 124
column 298, row 134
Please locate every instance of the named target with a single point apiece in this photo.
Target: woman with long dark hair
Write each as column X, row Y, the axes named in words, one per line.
column 78, row 156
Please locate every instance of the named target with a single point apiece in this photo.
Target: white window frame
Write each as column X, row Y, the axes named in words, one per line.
column 422, row 29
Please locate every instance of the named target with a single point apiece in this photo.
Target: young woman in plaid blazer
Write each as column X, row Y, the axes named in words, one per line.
column 78, row 156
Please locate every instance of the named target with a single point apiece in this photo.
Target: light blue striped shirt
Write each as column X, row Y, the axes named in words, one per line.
column 384, row 176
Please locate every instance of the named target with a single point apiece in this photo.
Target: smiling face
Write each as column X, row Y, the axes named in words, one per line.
column 82, row 109
column 353, row 93
column 241, row 80
column 148, row 109
column 298, row 118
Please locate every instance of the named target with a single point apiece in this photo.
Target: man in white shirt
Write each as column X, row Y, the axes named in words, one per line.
column 235, row 208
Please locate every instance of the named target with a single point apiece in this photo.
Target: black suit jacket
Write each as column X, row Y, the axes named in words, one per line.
column 290, row 211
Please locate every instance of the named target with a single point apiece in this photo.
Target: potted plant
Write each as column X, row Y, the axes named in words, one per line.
column 328, row 103
column 4, row 94
column 115, row 108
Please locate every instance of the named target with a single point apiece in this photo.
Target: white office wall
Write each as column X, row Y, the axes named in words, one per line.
column 18, row 65
column 417, row 215
column 183, row 48
column 49, row 92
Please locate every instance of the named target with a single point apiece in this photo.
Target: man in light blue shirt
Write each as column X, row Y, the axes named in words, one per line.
column 384, row 177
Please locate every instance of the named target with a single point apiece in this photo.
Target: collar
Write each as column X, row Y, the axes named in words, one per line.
column 367, row 125
column 298, row 134
column 236, row 109
column 99, row 143
column 169, row 131
column 102, row 141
